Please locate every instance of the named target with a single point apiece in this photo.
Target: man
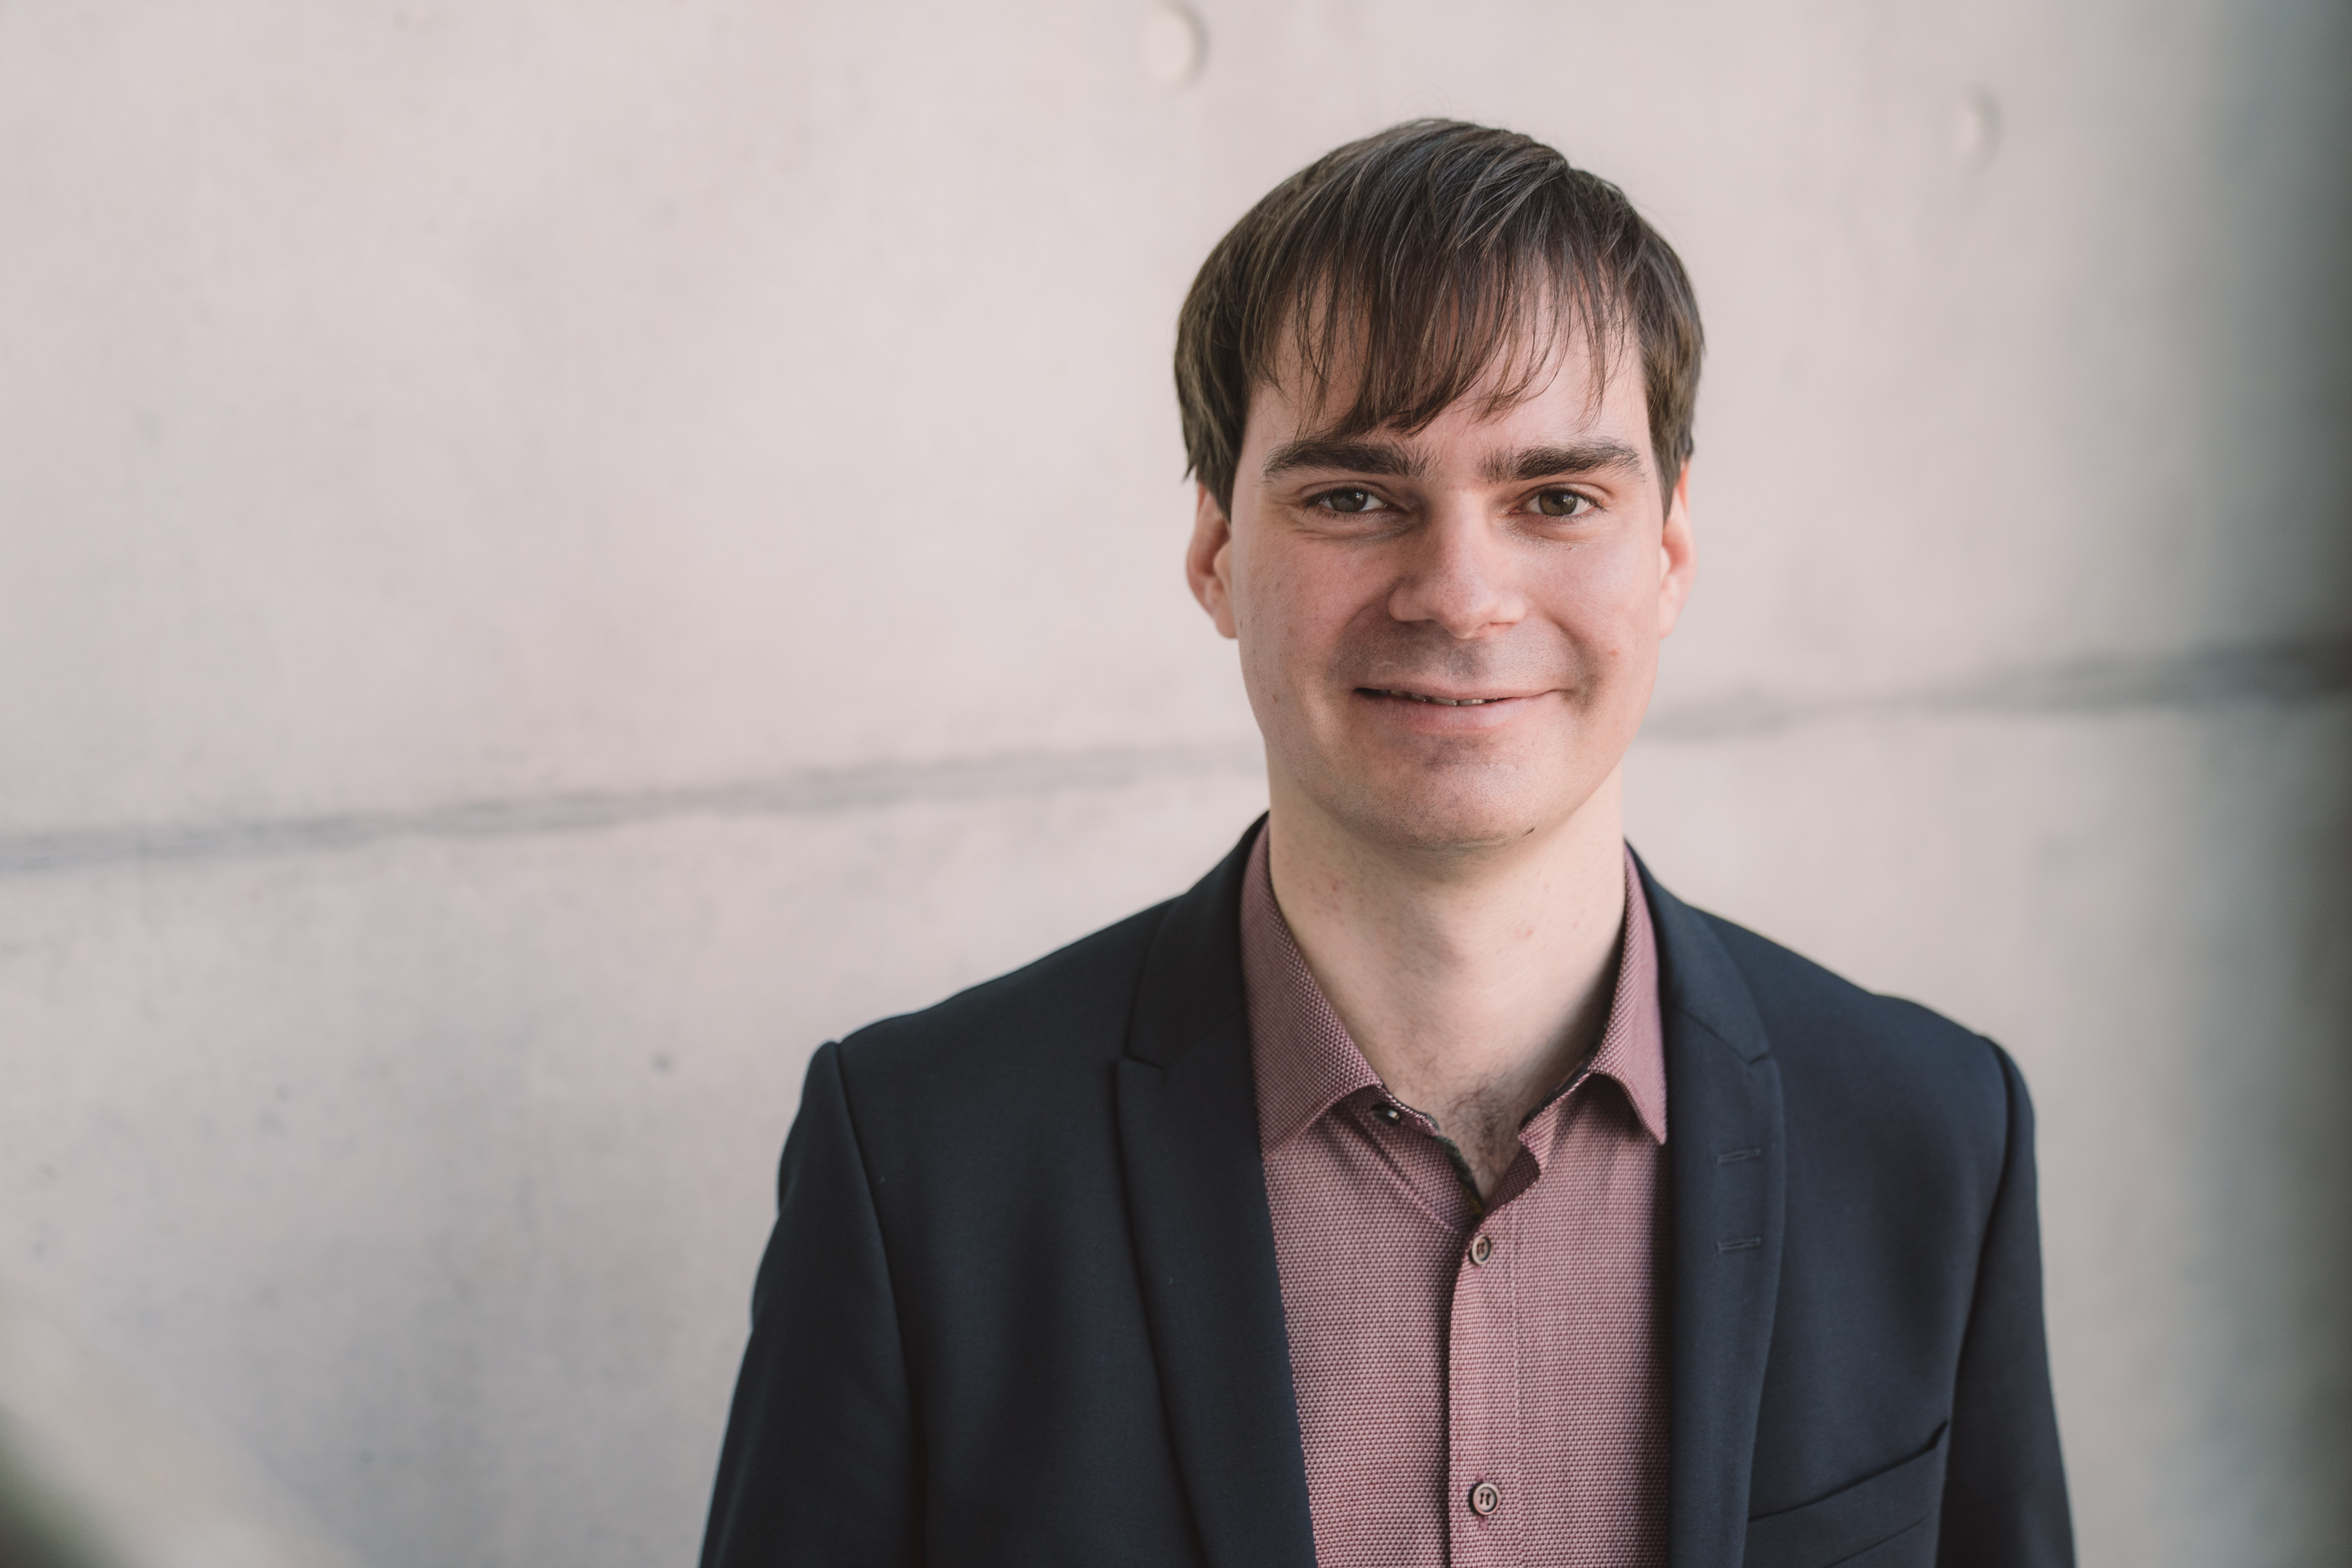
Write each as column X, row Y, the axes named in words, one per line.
column 1427, row 1184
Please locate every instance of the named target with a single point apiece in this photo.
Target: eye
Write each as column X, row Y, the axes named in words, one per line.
column 1562, row 503
column 1349, row 500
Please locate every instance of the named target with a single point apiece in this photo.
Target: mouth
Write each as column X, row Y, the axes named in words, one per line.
column 1431, row 699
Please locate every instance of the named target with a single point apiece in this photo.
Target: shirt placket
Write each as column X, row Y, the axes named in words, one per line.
column 1487, row 1495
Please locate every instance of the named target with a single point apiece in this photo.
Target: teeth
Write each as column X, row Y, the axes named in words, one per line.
column 1446, row 701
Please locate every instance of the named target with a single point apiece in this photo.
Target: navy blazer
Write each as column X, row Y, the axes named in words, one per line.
column 1020, row 1304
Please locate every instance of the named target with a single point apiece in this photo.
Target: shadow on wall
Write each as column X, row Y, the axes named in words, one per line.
column 92, row 1475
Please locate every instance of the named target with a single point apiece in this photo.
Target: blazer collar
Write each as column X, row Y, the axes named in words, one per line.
column 1204, row 1239
column 1727, row 1169
column 1192, row 979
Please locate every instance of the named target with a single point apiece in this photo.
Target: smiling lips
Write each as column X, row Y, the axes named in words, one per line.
column 1440, row 701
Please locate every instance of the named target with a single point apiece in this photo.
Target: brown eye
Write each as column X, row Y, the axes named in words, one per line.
column 1348, row 501
column 1560, row 503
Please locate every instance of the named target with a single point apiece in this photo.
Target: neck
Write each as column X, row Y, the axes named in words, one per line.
column 1473, row 983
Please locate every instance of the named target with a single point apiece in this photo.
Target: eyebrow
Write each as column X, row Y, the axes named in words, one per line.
column 1383, row 457
column 1543, row 462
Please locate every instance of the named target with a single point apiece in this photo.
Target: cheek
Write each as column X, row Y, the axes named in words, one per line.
column 1290, row 610
column 1608, row 601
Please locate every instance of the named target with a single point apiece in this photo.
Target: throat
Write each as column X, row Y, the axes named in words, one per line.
column 1480, row 1131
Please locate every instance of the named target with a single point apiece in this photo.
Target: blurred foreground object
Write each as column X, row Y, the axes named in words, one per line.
column 91, row 1476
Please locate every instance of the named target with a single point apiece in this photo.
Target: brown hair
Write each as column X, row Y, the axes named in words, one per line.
column 1424, row 257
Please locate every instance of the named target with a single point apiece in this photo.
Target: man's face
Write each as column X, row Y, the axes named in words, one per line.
column 1449, row 639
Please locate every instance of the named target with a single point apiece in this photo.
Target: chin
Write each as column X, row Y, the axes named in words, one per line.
column 1460, row 812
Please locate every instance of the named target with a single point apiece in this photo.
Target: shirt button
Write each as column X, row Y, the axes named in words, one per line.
column 1388, row 1113
column 1485, row 1498
column 1482, row 1247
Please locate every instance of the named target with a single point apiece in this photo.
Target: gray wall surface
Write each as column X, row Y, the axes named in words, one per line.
column 553, row 556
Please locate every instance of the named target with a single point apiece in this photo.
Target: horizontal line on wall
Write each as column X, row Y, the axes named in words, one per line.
column 800, row 794
column 2275, row 672
column 2278, row 672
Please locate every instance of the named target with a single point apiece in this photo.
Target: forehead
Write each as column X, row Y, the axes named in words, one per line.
column 1551, row 386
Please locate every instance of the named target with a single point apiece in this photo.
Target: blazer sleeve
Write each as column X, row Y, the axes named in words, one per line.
column 820, row 1465
column 2004, row 1484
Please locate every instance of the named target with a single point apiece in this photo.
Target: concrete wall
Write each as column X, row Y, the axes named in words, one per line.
column 554, row 555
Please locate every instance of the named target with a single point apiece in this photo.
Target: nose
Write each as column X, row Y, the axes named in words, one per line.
column 1457, row 574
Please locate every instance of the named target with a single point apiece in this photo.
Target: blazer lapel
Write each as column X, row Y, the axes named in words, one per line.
column 1726, row 1170
column 1203, row 1238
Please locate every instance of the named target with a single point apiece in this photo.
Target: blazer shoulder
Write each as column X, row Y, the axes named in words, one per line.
column 1823, row 1024
column 1072, row 1004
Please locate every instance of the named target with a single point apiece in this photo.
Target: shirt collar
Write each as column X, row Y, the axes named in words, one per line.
column 1305, row 1062
column 1304, row 1059
column 1633, row 1049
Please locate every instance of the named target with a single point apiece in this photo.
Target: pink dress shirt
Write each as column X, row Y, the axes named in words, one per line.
column 1474, row 1387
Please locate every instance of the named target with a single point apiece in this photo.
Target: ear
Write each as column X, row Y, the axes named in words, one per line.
column 1208, row 560
column 1677, row 555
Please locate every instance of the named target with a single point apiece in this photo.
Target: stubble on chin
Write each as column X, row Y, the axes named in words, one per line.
column 1456, row 807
